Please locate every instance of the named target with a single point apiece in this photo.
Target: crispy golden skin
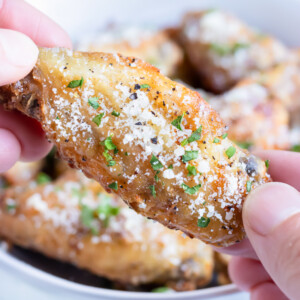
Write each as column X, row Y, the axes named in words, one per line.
column 224, row 50
column 55, row 220
column 140, row 154
column 154, row 47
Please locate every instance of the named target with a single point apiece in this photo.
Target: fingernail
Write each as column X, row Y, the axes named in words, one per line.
column 270, row 205
column 17, row 49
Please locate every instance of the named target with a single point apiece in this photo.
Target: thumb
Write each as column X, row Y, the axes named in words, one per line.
column 18, row 55
column 271, row 217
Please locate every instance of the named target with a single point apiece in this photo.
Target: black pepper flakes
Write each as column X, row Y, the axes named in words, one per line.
column 66, row 140
column 137, row 86
column 154, row 140
column 138, row 123
column 133, row 96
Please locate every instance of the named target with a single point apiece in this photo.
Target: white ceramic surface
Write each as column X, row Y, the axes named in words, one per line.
column 19, row 280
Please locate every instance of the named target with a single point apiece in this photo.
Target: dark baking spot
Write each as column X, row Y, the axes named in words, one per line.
column 213, row 158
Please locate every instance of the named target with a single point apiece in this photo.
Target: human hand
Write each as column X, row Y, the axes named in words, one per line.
column 269, row 262
column 22, row 27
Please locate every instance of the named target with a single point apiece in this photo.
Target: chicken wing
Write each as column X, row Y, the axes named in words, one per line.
column 154, row 142
column 224, row 50
column 155, row 47
column 74, row 220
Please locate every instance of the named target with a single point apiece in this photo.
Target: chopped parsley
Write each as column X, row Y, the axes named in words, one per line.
column 75, row 83
column 87, row 218
column 296, row 148
column 230, row 151
column 108, row 143
column 145, row 86
column 162, row 289
column 190, row 155
column 57, row 118
column 115, row 113
column 192, row 170
column 10, row 207
column 97, row 119
column 216, row 140
column 152, row 189
column 191, row 190
column 107, row 156
column 224, row 136
column 113, row 186
column 244, row 145
column 111, row 163
column 203, row 222
column 156, row 176
column 170, row 166
column 195, row 136
column 267, row 164
column 93, row 102
column 177, row 122
column 155, row 163
column 126, row 153
column 105, row 210
column 43, row 178
column 223, row 50
column 248, row 186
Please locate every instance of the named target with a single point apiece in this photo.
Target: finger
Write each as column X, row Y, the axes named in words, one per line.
column 18, row 55
column 10, row 150
column 284, row 166
column 20, row 16
column 243, row 249
column 255, row 274
column 267, row 291
column 29, row 133
column 271, row 216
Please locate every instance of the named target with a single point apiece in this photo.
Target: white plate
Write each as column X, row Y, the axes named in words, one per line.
column 80, row 17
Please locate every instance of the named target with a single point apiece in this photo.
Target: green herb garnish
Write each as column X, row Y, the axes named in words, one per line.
column 115, row 113
column 126, row 153
column 216, row 140
column 267, row 164
column 203, row 222
column 190, row 155
column 145, row 86
column 156, row 176
column 105, row 211
column 192, row 170
column 152, row 189
column 113, row 186
column 227, row 49
column 170, row 166
column 224, row 136
column 10, row 207
column 177, row 122
column 191, row 190
column 108, row 143
column 75, row 83
column 248, row 186
column 295, row 148
column 155, row 163
column 43, row 178
column 195, row 136
column 87, row 218
column 93, row 102
column 97, row 119
column 230, row 151
column 111, row 163
column 244, row 145
column 162, row 289
column 107, row 156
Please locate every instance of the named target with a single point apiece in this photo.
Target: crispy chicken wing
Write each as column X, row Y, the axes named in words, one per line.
column 74, row 220
column 154, row 142
column 155, row 47
column 224, row 50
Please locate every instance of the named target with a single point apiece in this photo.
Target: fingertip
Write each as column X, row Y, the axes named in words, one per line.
column 10, row 150
column 18, row 55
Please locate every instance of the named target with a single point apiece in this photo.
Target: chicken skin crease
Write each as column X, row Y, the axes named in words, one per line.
column 154, row 142
column 74, row 220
